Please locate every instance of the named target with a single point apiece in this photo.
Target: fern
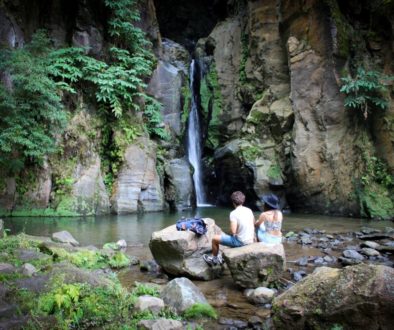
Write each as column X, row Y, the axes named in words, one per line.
column 365, row 91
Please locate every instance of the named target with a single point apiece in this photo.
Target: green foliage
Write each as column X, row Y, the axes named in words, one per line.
column 119, row 260
column 251, row 152
column 199, row 310
column 365, row 91
column 143, row 289
column 336, row 327
column 244, row 57
column 274, row 172
column 82, row 306
column 31, row 107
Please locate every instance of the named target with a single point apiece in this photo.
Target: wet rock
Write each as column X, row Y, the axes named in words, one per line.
column 122, row 244
column 375, row 237
column 28, row 269
column 308, row 230
column 389, row 230
column 386, row 248
column 255, row 264
column 353, row 254
column 225, row 321
column 64, row 237
column 329, row 259
column 260, row 295
column 330, row 236
column 160, row 324
column 370, row 244
column 303, row 261
column 348, row 262
column 180, row 253
column 305, row 240
column 318, row 261
column 370, row 252
column 181, row 293
column 357, row 297
column 150, row 266
column 255, row 321
column 6, row 268
column 298, row 276
column 367, row 230
column 240, row 324
column 149, row 303
column 327, row 251
column 27, row 255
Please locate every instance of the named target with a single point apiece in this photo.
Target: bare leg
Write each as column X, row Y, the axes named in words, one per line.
column 215, row 245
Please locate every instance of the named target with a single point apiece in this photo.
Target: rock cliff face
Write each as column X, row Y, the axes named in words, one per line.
column 273, row 115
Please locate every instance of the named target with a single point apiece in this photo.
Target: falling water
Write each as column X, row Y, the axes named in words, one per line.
column 194, row 140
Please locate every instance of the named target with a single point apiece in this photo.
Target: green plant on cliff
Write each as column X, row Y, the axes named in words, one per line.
column 366, row 91
column 32, row 113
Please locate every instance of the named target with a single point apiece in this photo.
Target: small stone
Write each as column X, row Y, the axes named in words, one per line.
column 261, row 295
column 6, row 268
column 306, row 240
column 122, row 244
column 28, row 270
column 353, row 254
column 225, row 321
column 370, row 252
column 303, row 261
column 308, row 230
column 297, row 276
column 160, row 324
column 318, row 261
column 64, row 237
column 389, row 230
column 149, row 303
column 329, row 259
column 327, row 251
column 240, row 324
column 290, row 233
column 367, row 230
column 348, row 261
column 330, row 236
column 263, row 313
column 370, row 244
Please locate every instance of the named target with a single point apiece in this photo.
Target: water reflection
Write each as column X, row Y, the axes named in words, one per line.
column 137, row 229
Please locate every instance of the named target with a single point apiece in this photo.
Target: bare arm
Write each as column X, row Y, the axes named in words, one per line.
column 233, row 227
column 260, row 221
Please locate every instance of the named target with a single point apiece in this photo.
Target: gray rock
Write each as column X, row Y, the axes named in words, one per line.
column 149, row 303
column 260, row 295
column 318, row 261
column 324, row 296
column 181, row 293
column 370, row 244
column 27, row 255
column 137, row 188
column 298, row 276
column 256, row 264
column 389, row 230
column 180, row 253
column 303, row 261
column 353, row 254
column 370, row 252
column 122, row 244
column 28, row 269
column 329, row 259
column 64, row 237
column 181, row 181
column 6, row 268
column 367, row 230
column 305, row 240
column 160, row 324
column 348, row 262
column 1, row 228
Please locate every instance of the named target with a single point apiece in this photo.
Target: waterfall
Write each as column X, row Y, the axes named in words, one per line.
column 194, row 140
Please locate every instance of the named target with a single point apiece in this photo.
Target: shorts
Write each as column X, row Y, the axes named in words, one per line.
column 264, row 237
column 231, row 241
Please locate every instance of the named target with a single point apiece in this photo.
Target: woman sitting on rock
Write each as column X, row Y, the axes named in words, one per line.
column 269, row 224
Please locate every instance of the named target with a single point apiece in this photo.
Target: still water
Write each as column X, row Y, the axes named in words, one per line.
column 137, row 229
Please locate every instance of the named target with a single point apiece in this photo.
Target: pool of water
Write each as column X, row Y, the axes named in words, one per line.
column 137, row 229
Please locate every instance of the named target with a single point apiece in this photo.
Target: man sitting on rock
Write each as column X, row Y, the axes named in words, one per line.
column 241, row 229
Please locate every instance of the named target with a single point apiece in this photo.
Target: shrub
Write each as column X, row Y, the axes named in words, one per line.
column 199, row 311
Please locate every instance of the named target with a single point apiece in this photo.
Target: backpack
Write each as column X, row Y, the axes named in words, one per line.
column 196, row 225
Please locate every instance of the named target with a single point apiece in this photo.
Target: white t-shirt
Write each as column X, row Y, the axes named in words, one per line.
column 244, row 218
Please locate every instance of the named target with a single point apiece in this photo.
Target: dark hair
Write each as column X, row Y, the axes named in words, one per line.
column 238, row 198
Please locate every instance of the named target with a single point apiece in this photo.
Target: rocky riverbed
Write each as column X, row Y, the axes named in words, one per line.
column 308, row 251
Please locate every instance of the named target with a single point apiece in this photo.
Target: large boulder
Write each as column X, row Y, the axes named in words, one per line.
column 179, row 253
column 256, row 264
column 64, row 237
column 160, row 324
column 355, row 297
column 180, row 188
column 181, row 294
column 138, row 185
